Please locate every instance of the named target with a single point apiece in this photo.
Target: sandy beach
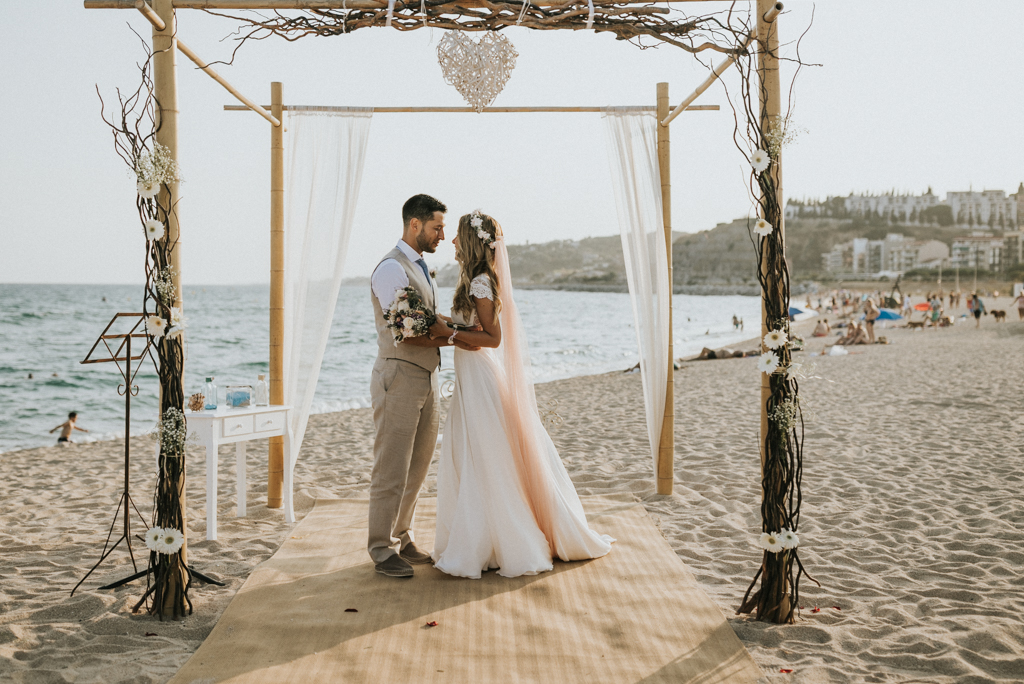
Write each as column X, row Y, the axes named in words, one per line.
column 912, row 515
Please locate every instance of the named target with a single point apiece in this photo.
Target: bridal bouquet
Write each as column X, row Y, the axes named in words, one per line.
column 408, row 316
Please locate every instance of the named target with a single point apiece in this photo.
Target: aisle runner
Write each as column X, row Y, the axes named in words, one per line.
column 635, row 615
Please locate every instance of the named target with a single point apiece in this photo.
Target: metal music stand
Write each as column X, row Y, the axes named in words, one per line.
column 122, row 352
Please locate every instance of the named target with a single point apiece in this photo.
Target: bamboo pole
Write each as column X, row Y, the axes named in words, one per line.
column 470, row 110
column 771, row 107
column 276, row 460
column 158, row 23
column 165, row 91
column 718, row 70
column 666, row 446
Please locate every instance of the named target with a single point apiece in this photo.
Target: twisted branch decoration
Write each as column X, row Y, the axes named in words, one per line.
column 169, row 578
column 626, row 21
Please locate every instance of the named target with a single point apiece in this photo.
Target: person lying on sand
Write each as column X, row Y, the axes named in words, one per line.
column 855, row 335
column 822, row 329
column 66, row 428
column 723, row 353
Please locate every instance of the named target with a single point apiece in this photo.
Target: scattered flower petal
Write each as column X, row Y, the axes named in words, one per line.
column 785, row 671
column 816, row 609
column 151, row 634
column 432, row 623
column 351, row 610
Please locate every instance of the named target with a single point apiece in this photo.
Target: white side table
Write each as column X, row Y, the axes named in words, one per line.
column 238, row 426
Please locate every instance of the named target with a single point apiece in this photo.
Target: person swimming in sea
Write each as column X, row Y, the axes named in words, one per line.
column 66, row 428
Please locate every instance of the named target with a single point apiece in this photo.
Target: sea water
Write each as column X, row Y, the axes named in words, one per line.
column 46, row 330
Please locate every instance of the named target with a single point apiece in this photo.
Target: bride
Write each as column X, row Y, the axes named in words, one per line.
column 504, row 499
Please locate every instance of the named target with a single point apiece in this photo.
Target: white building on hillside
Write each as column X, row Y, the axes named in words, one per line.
column 893, row 255
column 983, row 251
column 988, row 208
column 906, row 207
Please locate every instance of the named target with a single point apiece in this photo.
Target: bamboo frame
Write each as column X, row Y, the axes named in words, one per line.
column 470, row 110
column 665, row 474
column 159, row 25
column 276, row 456
column 719, row 70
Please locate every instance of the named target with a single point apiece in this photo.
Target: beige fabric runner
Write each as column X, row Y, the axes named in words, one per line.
column 636, row 615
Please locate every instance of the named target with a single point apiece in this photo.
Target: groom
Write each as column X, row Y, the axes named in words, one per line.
column 403, row 390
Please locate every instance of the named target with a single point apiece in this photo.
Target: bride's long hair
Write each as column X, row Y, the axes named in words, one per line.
column 475, row 257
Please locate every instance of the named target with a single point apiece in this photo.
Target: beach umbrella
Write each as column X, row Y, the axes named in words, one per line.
column 799, row 314
column 923, row 306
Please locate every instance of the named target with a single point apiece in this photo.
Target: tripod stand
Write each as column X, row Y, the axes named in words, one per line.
column 128, row 390
column 126, row 504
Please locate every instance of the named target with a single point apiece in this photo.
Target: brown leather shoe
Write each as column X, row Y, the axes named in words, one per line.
column 394, row 567
column 414, row 555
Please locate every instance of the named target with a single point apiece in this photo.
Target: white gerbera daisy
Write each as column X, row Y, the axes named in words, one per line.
column 759, row 160
column 771, row 542
column 773, row 340
column 154, row 229
column 148, row 189
column 155, row 326
column 172, row 540
column 789, row 539
column 153, row 538
column 177, row 317
column 763, row 228
column 768, row 363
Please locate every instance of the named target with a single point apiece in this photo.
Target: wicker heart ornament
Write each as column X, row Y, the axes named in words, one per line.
column 478, row 69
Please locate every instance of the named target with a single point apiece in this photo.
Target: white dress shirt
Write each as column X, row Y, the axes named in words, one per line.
column 390, row 277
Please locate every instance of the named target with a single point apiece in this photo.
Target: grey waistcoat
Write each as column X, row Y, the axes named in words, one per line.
column 428, row 358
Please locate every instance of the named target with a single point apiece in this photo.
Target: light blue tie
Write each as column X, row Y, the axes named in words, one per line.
column 426, row 271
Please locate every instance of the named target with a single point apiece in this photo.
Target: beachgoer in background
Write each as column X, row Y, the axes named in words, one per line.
column 906, row 309
column 871, row 312
column 1020, row 305
column 66, row 428
column 821, row 330
column 978, row 308
column 735, row 322
column 936, row 310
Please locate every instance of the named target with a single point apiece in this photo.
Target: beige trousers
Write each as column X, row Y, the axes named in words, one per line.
column 405, row 419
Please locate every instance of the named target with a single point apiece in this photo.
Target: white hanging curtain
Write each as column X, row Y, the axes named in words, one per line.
column 633, row 153
column 326, row 151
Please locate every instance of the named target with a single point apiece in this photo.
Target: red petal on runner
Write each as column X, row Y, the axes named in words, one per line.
column 152, row 634
column 837, row 607
column 816, row 609
column 785, row 671
column 351, row 610
column 432, row 623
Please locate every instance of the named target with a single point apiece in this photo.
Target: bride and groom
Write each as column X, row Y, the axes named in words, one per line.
column 504, row 499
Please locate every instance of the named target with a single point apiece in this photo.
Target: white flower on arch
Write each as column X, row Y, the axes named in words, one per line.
column 768, row 363
column 760, row 160
column 773, row 340
column 763, row 228
column 771, row 542
column 155, row 326
column 148, row 189
column 154, row 229
column 171, row 540
column 789, row 539
column 153, row 538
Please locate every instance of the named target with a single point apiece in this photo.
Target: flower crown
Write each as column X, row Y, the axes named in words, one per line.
column 478, row 222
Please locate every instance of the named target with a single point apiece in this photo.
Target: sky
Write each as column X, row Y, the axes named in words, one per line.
column 908, row 95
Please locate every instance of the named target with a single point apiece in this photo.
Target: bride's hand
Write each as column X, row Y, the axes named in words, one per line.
column 440, row 329
column 444, row 318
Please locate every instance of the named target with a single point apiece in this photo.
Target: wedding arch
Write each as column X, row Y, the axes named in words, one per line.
column 305, row 280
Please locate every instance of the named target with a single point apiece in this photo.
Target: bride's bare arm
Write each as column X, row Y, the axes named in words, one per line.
column 490, row 334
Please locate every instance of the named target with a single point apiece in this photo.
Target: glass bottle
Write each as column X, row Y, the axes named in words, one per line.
column 210, row 395
column 262, row 391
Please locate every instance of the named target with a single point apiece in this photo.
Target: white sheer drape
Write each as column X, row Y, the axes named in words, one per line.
column 633, row 153
column 326, row 151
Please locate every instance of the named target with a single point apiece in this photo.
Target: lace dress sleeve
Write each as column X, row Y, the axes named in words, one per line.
column 480, row 287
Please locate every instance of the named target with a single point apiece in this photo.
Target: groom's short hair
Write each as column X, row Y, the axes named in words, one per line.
column 421, row 207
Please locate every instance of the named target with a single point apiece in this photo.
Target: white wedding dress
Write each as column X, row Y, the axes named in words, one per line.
column 504, row 499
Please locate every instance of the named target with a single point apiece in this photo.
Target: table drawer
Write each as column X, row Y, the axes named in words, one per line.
column 265, row 422
column 234, row 426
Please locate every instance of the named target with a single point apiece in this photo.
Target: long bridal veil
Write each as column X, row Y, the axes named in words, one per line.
column 552, row 497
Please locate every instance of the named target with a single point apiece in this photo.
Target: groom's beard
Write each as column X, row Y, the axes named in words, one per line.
column 425, row 245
